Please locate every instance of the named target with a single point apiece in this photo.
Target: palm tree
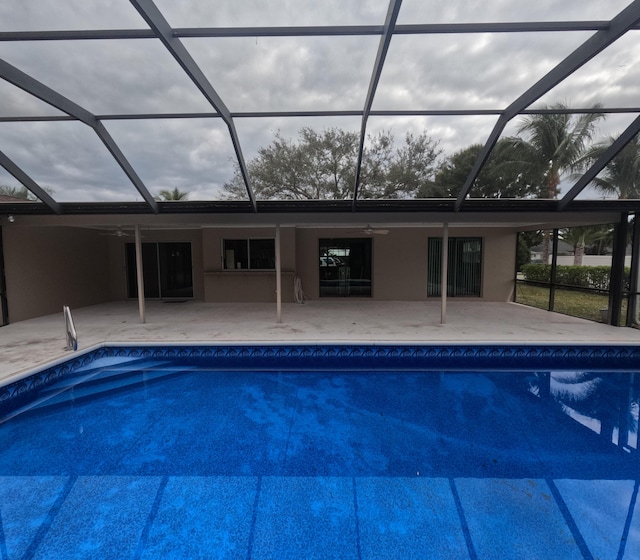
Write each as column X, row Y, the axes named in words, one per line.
column 621, row 177
column 175, row 194
column 554, row 142
column 580, row 237
column 607, row 398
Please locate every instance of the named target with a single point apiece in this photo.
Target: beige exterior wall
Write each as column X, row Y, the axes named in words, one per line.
column 399, row 261
column 246, row 285
column 46, row 268
column 499, row 264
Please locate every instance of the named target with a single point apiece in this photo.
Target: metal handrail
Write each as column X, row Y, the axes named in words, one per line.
column 72, row 336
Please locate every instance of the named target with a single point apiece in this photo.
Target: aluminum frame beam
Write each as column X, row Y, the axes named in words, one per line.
column 32, row 86
column 161, row 28
column 611, row 152
column 309, row 31
column 619, row 25
column 15, row 170
column 383, row 48
column 347, row 113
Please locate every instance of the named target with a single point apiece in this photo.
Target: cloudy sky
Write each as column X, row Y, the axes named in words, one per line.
column 259, row 74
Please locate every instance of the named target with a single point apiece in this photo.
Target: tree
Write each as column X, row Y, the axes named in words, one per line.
column 322, row 165
column 526, row 240
column 20, row 192
column 175, row 194
column 501, row 176
column 579, row 237
column 553, row 143
column 404, row 172
column 621, row 177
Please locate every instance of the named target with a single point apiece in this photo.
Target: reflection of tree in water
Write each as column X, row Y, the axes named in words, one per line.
column 610, row 398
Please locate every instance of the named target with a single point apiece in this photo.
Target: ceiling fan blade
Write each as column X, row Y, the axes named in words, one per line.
column 371, row 231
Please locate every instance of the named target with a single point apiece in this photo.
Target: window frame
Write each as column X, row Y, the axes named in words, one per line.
column 248, row 241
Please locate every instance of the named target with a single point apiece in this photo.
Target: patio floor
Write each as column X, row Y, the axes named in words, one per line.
column 27, row 345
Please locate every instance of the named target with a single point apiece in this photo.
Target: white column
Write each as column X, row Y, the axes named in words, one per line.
column 140, row 275
column 278, row 276
column 443, row 280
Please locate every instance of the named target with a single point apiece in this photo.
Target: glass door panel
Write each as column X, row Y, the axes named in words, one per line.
column 345, row 267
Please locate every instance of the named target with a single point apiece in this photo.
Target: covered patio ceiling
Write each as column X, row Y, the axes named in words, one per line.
column 103, row 107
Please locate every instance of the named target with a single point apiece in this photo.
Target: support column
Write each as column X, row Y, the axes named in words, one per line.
column 634, row 283
column 4, row 303
column 278, row 276
column 140, row 275
column 554, row 271
column 616, row 284
column 444, row 267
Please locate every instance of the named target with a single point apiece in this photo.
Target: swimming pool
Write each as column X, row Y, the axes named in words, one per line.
column 319, row 451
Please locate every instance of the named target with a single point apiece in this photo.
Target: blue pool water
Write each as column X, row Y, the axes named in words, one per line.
column 323, row 452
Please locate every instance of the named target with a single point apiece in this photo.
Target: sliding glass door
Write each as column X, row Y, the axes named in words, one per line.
column 167, row 270
column 464, row 266
column 345, row 267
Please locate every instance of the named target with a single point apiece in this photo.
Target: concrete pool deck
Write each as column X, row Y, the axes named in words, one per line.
column 30, row 344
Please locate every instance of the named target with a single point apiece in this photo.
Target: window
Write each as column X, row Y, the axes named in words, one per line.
column 345, row 267
column 464, row 266
column 248, row 254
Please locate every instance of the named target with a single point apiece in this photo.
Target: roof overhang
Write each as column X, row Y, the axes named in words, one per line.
column 511, row 213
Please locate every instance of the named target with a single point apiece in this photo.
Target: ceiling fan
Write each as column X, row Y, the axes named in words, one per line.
column 368, row 230
column 118, row 233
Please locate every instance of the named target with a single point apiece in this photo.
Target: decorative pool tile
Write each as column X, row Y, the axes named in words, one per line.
column 336, row 357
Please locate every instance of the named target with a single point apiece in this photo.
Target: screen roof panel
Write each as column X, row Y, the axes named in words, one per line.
column 109, row 76
column 245, row 13
column 287, row 73
column 35, row 15
column 67, row 158
column 612, row 78
column 468, row 71
column 18, row 103
column 198, row 91
column 193, row 155
column 463, row 11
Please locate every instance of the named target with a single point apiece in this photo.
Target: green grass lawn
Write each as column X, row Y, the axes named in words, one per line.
column 578, row 304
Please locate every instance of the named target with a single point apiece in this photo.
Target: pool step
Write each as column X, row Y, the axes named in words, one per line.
column 104, row 381
column 100, row 373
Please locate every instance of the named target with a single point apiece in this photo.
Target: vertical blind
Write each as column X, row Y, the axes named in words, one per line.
column 464, row 266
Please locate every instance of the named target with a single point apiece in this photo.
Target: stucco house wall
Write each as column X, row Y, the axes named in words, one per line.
column 46, row 268
column 246, row 285
column 399, row 261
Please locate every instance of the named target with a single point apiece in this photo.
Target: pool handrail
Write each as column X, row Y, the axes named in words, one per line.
column 72, row 336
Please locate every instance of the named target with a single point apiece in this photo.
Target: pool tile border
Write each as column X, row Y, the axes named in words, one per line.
column 342, row 357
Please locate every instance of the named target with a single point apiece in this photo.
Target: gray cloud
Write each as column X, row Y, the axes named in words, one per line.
column 475, row 71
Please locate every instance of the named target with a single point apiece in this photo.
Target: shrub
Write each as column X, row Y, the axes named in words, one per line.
column 537, row 272
column 596, row 277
